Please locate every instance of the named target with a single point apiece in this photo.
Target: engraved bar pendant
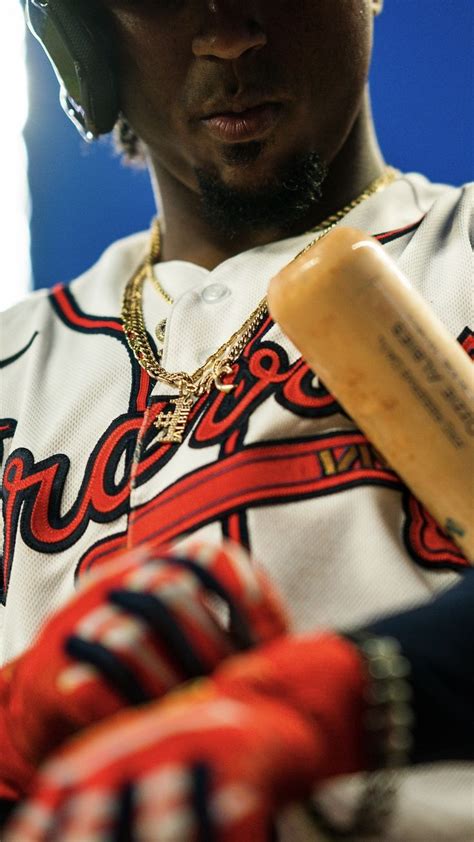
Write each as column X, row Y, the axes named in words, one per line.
column 171, row 423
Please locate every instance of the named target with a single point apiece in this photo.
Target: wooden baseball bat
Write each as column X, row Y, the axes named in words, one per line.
column 392, row 365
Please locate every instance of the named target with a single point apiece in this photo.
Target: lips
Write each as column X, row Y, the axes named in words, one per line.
column 249, row 124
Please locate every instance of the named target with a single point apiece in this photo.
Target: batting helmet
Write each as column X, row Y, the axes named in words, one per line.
column 76, row 37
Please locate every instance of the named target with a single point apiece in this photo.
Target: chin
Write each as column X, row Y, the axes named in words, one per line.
column 248, row 166
column 246, row 195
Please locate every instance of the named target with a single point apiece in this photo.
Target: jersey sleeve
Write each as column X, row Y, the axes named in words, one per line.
column 438, row 640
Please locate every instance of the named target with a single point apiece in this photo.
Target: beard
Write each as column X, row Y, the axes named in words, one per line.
column 281, row 202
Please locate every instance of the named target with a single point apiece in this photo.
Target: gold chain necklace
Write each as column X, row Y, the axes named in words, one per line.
column 152, row 258
column 171, row 423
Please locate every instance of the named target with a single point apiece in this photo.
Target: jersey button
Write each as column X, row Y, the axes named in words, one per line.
column 214, row 293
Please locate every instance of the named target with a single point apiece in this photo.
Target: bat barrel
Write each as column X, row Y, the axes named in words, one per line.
column 392, row 365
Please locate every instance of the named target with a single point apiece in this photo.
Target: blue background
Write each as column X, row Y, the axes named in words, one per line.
column 422, row 84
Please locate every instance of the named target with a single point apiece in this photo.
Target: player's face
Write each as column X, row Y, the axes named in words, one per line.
column 183, row 60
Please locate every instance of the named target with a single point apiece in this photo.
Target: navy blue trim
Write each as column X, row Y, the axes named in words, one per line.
column 116, row 673
column 164, row 625
column 6, row 809
column 201, row 791
column 125, row 817
column 97, row 327
column 15, row 357
column 7, row 431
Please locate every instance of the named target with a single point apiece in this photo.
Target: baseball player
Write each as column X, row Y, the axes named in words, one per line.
column 162, row 412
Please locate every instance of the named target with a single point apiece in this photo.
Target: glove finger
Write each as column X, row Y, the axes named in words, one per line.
column 106, row 646
column 115, row 653
column 118, row 646
column 199, row 766
column 116, row 673
column 161, row 621
column 36, row 820
column 254, row 604
column 152, row 634
column 182, row 803
column 239, row 626
column 56, row 814
column 230, row 814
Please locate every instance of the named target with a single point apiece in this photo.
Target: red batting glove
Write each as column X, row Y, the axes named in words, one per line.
column 142, row 625
column 214, row 761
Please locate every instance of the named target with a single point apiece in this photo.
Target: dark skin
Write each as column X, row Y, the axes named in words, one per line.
column 182, row 59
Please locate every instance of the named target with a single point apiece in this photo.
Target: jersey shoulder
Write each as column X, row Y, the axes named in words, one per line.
column 437, row 255
column 448, row 207
column 100, row 289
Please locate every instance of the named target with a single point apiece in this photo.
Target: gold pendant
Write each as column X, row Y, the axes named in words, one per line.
column 226, row 388
column 171, row 423
column 160, row 331
column 222, row 367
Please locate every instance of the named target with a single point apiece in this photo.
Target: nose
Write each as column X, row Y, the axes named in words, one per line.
column 229, row 30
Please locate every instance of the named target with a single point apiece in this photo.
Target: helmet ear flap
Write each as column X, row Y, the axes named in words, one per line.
column 77, row 40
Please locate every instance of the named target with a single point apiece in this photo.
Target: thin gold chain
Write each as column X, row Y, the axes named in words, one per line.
column 219, row 363
column 388, row 176
column 153, row 257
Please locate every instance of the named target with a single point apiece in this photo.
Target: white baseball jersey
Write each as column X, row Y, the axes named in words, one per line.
column 276, row 464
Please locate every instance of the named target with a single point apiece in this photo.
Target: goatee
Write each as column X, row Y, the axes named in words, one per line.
column 280, row 203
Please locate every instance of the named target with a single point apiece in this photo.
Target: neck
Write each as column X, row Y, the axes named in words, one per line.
column 187, row 236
